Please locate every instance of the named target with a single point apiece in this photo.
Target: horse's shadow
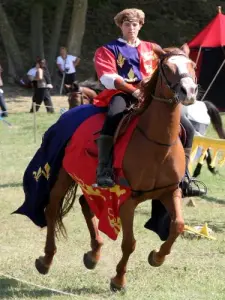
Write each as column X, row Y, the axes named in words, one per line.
column 10, row 288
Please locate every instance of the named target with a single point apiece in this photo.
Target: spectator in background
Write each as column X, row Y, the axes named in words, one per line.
column 27, row 81
column 42, row 90
column 31, row 74
column 4, row 112
column 66, row 64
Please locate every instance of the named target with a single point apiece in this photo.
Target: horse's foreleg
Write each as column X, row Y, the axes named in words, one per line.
column 92, row 257
column 128, row 244
column 173, row 205
column 57, row 193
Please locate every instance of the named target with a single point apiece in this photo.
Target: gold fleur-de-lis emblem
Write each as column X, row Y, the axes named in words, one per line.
column 120, row 60
column 131, row 74
column 37, row 174
column 46, row 171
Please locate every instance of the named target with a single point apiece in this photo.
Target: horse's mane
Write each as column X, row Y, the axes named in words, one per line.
column 147, row 90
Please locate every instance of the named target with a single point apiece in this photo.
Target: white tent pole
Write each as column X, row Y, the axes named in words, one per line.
column 199, row 52
column 214, row 78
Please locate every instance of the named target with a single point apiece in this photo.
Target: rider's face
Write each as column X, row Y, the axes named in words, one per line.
column 130, row 30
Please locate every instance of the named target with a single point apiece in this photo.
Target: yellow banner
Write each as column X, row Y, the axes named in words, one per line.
column 216, row 146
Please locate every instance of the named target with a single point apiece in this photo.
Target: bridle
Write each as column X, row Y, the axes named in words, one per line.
column 170, row 85
column 77, row 93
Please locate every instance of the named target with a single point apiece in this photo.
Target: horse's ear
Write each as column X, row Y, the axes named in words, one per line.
column 158, row 50
column 75, row 86
column 185, row 48
column 67, row 86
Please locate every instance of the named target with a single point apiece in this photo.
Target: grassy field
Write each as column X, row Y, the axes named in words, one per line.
column 194, row 270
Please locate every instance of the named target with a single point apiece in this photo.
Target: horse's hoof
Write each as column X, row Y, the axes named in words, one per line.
column 88, row 261
column 116, row 288
column 153, row 261
column 41, row 267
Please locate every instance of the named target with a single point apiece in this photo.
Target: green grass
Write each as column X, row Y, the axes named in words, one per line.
column 194, row 270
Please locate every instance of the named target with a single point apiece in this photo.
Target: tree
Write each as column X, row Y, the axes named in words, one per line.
column 55, row 33
column 37, row 47
column 10, row 44
column 77, row 26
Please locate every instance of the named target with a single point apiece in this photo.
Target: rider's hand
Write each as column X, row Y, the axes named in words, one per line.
column 136, row 94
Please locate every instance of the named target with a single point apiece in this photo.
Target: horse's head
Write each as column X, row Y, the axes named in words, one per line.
column 75, row 95
column 177, row 73
column 79, row 95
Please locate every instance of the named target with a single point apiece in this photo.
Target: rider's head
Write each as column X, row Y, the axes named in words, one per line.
column 130, row 21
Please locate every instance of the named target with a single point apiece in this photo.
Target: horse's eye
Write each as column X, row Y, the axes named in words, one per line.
column 166, row 67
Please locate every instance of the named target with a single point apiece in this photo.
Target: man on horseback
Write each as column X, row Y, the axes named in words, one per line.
column 121, row 65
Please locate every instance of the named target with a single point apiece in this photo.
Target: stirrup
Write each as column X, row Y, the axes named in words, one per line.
column 193, row 188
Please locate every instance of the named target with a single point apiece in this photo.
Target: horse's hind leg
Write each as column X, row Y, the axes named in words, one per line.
column 57, row 193
column 92, row 257
column 173, row 205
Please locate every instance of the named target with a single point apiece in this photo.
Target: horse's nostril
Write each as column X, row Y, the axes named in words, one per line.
column 183, row 90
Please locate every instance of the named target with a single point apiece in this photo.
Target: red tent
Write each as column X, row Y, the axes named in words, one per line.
column 207, row 49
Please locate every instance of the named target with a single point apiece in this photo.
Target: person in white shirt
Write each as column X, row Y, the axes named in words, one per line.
column 32, row 73
column 67, row 63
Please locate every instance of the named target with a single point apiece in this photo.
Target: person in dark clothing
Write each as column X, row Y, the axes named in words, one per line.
column 42, row 87
column 3, row 107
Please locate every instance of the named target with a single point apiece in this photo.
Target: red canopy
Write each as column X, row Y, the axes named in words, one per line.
column 213, row 35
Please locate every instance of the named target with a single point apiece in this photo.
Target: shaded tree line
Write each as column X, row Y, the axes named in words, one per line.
column 39, row 27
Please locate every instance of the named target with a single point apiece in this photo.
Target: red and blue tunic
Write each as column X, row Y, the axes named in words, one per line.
column 119, row 59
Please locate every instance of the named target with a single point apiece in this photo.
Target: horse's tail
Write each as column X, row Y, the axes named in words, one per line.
column 66, row 205
column 215, row 119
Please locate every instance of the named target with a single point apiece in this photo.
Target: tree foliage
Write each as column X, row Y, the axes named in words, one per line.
column 39, row 27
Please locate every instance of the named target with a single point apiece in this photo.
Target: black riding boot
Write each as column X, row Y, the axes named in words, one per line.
column 104, row 169
column 4, row 112
column 190, row 186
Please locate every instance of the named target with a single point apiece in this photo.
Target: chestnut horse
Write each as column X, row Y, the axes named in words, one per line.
column 153, row 164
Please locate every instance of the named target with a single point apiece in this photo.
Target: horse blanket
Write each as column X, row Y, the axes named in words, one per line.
column 42, row 171
column 80, row 161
